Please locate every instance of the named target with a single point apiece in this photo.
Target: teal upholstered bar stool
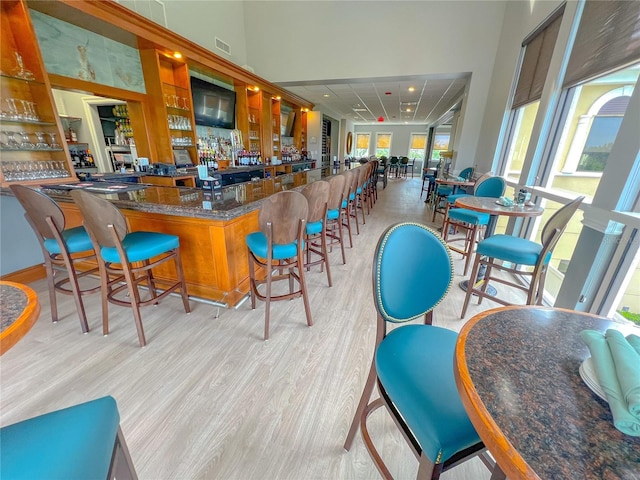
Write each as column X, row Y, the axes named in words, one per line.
column 506, row 252
column 471, row 222
column 127, row 258
column 413, row 364
column 451, row 199
column 315, row 241
column 62, row 248
column 278, row 247
column 334, row 225
column 80, row 442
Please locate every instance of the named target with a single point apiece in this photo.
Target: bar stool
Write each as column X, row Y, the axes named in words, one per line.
column 334, row 220
column 125, row 259
column 347, row 203
column 83, row 441
column 62, row 249
column 317, row 195
column 280, row 242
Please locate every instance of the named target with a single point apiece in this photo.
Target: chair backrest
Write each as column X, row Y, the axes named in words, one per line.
column 405, row 160
column 99, row 215
column 556, row 225
column 467, row 173
column 481, row 179
column 393, row 160
column 491, row 187
column 317, row 195
column 336, row 191
column 348, row 183
column 38, row 207
column 283, row 215
column 409, row 285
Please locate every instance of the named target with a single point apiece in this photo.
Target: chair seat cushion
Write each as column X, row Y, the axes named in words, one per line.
column 358, row 190
column 73, row 443
column 469, row 216
column 452, row 198
column 334, row 214
column 352, row 196
column 77, row 240
column 344, row 204
column 511, row 249
column 415, row 367
column 314, row 228
column 444, row 191
column 141, row 246
column 257, row 243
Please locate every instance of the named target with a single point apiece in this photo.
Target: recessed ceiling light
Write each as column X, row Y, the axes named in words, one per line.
column 408, row 109
column 325, row 95
column 411, row 89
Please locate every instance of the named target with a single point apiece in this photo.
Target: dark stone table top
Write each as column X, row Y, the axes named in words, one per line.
column 524, row 365
column 12, row 303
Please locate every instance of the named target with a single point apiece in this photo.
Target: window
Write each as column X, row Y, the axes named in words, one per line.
column 440, row 144
column 523, row 119
column 417, row 146
column 362, row 144
column 383, row 144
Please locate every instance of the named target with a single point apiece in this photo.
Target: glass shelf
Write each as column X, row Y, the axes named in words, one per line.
column 31, row 150
column 25, row 122
column 10, row 77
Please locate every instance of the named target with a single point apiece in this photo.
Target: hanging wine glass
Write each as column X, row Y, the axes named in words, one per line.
column 20, row 71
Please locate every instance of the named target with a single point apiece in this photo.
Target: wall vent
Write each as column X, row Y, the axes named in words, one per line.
column 224, row 46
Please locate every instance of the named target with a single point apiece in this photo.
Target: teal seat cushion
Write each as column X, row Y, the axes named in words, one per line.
column 344, row 204
column 358, row 190
column 352, row 196
column 77, row 240
column 73, row 443
column 415, row 367
column 334, row 214
column 257, row 243
column 452, row 198
column 141, row 246
column 511, row 249
column 444, row 191
column 314, row 228
column 469, row 216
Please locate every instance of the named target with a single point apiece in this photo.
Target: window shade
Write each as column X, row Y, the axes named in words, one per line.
column 383, row 140
column 537, row 57
column 362, row 141
column 608, row 39
column 418, row 141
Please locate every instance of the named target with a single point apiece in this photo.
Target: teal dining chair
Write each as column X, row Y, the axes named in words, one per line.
column 469, row 221
column 413, row 364
column 505, row 252
column 79, row 442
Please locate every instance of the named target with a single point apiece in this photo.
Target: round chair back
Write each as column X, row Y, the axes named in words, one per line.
column 412, row 272
column 99, row 215
column 39, row 207
column 317, row 195
column 491, row 187
column 336, row 191
column 281, row 214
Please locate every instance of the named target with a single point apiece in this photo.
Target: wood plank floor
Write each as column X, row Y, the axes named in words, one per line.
column 207, row 398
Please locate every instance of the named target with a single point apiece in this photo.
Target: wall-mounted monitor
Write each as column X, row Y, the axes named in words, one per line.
column 213, row 106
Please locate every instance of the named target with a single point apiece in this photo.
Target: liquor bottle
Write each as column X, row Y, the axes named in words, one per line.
column 89, row 160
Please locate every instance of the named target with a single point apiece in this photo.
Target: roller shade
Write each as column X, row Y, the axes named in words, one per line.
column 537, row 57
column 608, row 39
column 383, row 140
column 418, row 141
column 362, row 141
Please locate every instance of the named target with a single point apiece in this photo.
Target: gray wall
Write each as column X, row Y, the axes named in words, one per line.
column 19, row 247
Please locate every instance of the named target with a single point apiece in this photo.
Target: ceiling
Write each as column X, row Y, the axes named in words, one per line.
column 365, row 100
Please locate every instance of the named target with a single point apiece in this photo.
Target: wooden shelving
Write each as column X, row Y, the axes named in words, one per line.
column 32, row 148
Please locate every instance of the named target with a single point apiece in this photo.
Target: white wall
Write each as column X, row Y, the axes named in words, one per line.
column 401, row 136
column 319, row 40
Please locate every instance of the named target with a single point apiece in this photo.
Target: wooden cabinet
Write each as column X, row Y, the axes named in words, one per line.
column 276, row 126
column 32, row 147
column 254, row 109
column 168, row 86
column 300, row 131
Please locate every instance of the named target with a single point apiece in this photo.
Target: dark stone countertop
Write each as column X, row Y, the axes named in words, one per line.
column 524, row 366
column 235, row 200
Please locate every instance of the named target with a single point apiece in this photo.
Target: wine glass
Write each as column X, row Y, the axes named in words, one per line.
column 20, row 71
column 26, row 142
column 41, row 144
column 53, row 144
column 12, row 113
column 11, row 141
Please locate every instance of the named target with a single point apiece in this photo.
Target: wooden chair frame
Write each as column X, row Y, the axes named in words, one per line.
column 107, row 227
column 334, row 228
column 48, row 221
column 317, row 195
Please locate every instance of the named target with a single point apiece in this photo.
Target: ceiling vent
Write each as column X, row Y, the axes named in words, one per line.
column 223, row 46
column 360, row 110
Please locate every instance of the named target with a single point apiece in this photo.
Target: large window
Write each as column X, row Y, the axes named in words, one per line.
column 383, row 144
column 362, row 144
column 440, row 143
column 518, row 141
column 417, row 146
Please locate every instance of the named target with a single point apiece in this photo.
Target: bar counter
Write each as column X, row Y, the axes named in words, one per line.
column 211, row 231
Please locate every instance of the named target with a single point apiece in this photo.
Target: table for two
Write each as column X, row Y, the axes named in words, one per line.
column 517, row 373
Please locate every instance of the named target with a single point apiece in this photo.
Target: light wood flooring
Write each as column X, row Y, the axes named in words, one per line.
column 207, row 398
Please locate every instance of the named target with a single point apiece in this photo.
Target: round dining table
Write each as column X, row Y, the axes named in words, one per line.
column 495, row 209
column 517, row 372
column 19, row 310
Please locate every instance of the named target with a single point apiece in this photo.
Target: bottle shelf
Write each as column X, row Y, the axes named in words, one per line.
column 19, row 79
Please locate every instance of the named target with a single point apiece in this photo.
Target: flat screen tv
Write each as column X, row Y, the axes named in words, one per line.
column 213, row 106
